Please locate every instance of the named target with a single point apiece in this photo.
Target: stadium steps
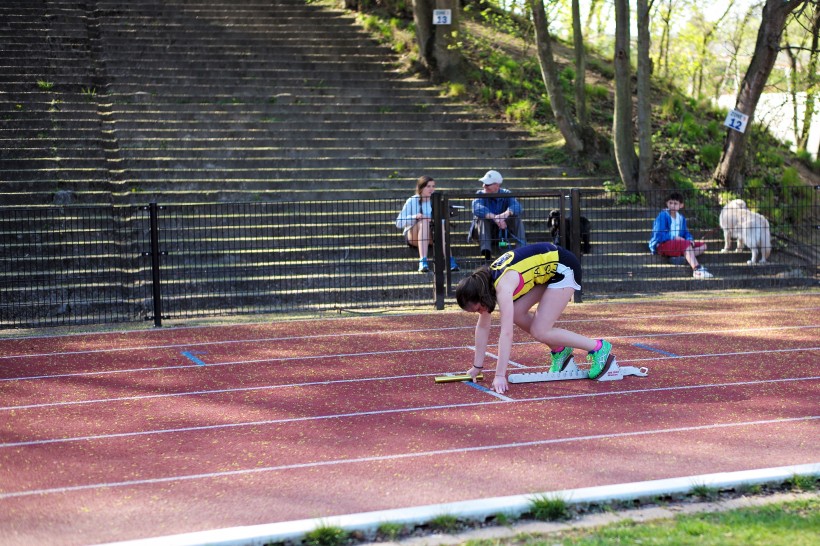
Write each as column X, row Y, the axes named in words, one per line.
column 126, row 102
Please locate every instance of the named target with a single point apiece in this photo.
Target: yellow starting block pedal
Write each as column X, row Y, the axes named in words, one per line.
column 457, row 377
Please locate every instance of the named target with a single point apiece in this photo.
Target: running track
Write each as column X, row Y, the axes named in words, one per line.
column 116, row 436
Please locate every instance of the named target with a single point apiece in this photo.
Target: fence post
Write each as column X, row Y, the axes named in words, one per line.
column 438, row 246
column 575, row 229
column 155, row 277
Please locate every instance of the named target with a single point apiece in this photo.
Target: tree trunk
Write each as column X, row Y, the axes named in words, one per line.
column 425, row 33
column 811, row 80
column 644, row 98
column 580, row 65
column 543, row 40
column 622, row 123
column 729, row 172
column 449, row 60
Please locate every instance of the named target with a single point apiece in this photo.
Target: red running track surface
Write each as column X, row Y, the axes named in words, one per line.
column 116, row 436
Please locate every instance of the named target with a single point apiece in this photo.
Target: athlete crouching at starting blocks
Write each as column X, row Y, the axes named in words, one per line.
column 542, row 274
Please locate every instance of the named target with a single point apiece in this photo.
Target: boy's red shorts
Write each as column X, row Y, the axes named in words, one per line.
column 677, row 247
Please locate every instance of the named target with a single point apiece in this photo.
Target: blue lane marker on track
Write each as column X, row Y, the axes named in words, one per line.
column 190, row 356
column 648, row 348
column 488, row 391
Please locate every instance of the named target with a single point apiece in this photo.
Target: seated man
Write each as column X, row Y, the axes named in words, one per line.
column 494, row 217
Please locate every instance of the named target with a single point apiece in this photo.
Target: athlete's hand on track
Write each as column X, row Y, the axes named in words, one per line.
column 473, row 372
column 500, row 384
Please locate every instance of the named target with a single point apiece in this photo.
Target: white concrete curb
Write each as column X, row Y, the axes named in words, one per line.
column 479, row 509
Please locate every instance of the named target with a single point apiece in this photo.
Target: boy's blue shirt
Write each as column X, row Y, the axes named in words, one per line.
column 661, row 230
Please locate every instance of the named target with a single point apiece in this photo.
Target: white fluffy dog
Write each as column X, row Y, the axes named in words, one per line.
column 749, row 228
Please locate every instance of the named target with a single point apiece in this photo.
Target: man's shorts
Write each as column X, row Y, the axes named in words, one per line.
column 677, row 247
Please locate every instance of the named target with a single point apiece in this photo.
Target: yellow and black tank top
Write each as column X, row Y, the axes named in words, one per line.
column 539, row 263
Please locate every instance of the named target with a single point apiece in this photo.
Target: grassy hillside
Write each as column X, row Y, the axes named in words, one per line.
column 504, row 78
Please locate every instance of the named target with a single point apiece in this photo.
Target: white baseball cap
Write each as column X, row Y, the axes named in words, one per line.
column 492, row 177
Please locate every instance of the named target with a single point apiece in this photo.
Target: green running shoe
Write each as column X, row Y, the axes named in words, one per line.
column 560, row 360
column 599, row 359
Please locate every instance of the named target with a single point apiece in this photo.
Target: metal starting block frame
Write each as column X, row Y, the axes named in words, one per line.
column 613, row 372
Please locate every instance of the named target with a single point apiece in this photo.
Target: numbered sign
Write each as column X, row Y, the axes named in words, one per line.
column 737, row 121
column 442, row 16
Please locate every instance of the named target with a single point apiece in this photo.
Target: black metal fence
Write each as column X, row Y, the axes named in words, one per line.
column 64, row 265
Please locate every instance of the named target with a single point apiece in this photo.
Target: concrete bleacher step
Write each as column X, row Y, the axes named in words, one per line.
column 195, row 101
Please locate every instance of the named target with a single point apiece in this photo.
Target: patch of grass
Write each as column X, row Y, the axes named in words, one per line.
column 710, row 153
column 456, row 90
column 705, row 492
column 445, row 523
column 545, row 508
column 617, row 190
column 784, row 524
column 748, row 489
column 44, row 85
column 521, row 111
column 503, row 519
column 326, row 535
column 390, row 530
column 596, row 91
column 801, row 483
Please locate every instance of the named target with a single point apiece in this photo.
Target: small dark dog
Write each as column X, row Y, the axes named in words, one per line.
column 554, row 223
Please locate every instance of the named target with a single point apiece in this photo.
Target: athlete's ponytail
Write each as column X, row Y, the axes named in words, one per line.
column 477, row 288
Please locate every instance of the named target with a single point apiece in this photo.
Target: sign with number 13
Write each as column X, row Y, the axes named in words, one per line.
column 442, row 16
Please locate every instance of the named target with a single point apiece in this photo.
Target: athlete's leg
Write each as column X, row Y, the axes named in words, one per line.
column 552, row 304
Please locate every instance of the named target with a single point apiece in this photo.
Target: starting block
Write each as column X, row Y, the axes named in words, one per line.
column 457, row 377
column 612, row 372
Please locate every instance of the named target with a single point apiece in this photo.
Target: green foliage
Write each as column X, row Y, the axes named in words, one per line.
column 710, row 153
column 804, row 157
column 456, row 90
column 390, row 530
column 603, row 67
column 704, row 492
column 503, row 519
column 790, row 178
column 44, row 85
column 673, row 106
column 802, row 482
column 748, row 489
column 714, row 130
column 445, row 523
column 597, row 91
column 682, row 182
column 795, row 523
column 691, row 129
column 617, row 190
column 545, row 508
column 767, row 157
column 521, row 111
column 326, row 535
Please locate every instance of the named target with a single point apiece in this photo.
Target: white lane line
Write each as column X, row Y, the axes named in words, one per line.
column 231, row 342
column 493, row 356
column 358, row 380
column 405, row 410
column 397, row 456
column 378, row 353
column 350, row 334
column 238, row 362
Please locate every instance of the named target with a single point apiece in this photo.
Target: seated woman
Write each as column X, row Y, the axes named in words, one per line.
column 415, row 219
